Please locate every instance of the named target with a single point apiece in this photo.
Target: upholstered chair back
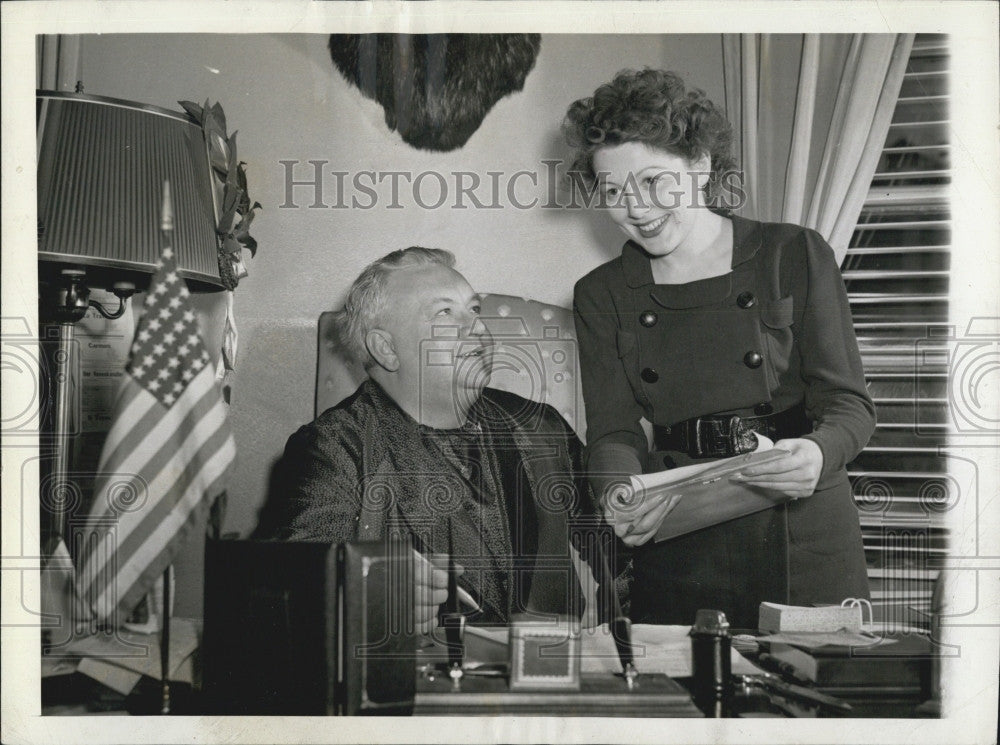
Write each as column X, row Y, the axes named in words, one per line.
column 535, row 357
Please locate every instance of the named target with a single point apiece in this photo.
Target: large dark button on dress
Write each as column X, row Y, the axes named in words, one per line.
column 649, row 375
column 752, row 360
column 746, row 300
column 648, row 318
column 763, row 409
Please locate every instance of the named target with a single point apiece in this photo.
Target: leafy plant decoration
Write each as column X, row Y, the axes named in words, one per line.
column 237, row 210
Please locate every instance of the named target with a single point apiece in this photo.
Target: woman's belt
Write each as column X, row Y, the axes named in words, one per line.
column 723, row 436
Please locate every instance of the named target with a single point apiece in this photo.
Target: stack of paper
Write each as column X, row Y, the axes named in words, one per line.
column 120, row 660
column 707, row 494
column 815, row 619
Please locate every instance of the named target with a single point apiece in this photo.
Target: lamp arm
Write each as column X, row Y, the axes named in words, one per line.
column 111, row 315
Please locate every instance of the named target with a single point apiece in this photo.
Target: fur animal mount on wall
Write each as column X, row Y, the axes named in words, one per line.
column 435, row 89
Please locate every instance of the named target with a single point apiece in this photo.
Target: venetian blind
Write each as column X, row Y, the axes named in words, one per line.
column 896, row 273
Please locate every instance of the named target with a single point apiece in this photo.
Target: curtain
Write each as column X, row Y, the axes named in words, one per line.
column 810, row 114
column 57, row 62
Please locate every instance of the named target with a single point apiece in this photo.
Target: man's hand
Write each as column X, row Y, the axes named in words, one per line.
column 794, row 474
column 635, row 519
column 430, row 589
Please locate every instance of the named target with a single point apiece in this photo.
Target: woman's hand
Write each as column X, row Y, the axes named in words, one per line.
column 636, row 520
column 794, row 474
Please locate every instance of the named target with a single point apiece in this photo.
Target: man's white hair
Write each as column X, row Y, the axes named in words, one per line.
column 368, row 298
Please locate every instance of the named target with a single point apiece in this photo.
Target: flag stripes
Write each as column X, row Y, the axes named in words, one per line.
column 164, row 461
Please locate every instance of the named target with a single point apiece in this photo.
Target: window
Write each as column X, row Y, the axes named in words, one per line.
column 896, row 272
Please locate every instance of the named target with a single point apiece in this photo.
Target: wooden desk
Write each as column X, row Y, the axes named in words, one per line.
column 600, row 695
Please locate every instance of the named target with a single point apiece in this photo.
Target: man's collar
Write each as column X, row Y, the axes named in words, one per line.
column 388, row 407
column 746, row 243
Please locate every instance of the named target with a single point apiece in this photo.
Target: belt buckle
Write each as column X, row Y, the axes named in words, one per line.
column 695, row 446
column 711, row 440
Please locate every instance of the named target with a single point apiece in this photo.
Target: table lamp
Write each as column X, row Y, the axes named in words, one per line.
column 102, row 163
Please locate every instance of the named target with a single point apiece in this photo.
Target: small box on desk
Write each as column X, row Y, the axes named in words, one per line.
column 544, row 654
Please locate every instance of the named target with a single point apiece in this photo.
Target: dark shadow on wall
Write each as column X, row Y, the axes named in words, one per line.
column 272, row 513
column 273, row 396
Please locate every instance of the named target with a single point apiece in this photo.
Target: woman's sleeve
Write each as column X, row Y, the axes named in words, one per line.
column 615, row 440
column 836, row 397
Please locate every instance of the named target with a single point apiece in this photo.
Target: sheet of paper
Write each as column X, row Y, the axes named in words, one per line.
column 104, row 350
column 114, row 677
column 657, row 649
column 707, row 495
column 140, row 653
column 652, row 483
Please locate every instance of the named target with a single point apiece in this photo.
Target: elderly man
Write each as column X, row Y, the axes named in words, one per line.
column 423, row 449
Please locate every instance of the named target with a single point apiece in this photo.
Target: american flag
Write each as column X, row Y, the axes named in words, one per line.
column 165, row 459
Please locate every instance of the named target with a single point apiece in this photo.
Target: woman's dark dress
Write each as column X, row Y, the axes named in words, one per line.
column 785, row 301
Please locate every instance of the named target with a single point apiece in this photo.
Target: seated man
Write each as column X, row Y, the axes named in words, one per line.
column 424, row 450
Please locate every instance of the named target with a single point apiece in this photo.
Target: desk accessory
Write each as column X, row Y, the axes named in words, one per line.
column 710, row 662
column 269, row 644
column 378, row 650
column 308, row 628
column 620, row 624
column 544, row 653
column 774, row 684
column 453, row 619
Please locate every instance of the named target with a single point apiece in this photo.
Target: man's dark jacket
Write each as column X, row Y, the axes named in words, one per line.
column 365, row 469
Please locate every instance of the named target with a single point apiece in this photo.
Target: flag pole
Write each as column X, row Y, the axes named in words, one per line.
column 167, row 229
column 165, row 643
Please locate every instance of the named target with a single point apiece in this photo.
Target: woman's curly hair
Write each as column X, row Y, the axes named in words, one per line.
column 652, row 107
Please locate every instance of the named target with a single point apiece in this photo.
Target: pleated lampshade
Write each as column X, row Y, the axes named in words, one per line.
column 102, row 163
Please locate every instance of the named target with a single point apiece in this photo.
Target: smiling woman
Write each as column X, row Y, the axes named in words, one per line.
column 710, row 326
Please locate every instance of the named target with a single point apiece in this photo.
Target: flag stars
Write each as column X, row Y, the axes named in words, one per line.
column 169, row 337
column 192, row 340
column 178, row 387
column 175, row 302
column 169, row 398
column 154, row 324
column 153, row 385
column 158, row 349
column 144, row 335
column 163, row 374
column 179, row 326
column 189, row 316
column 165, row 313
column 187, row 375
column 172, row 363
column 168, row 253
column 170, row 277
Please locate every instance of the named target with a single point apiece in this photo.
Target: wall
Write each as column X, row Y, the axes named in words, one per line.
column 283, row 95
